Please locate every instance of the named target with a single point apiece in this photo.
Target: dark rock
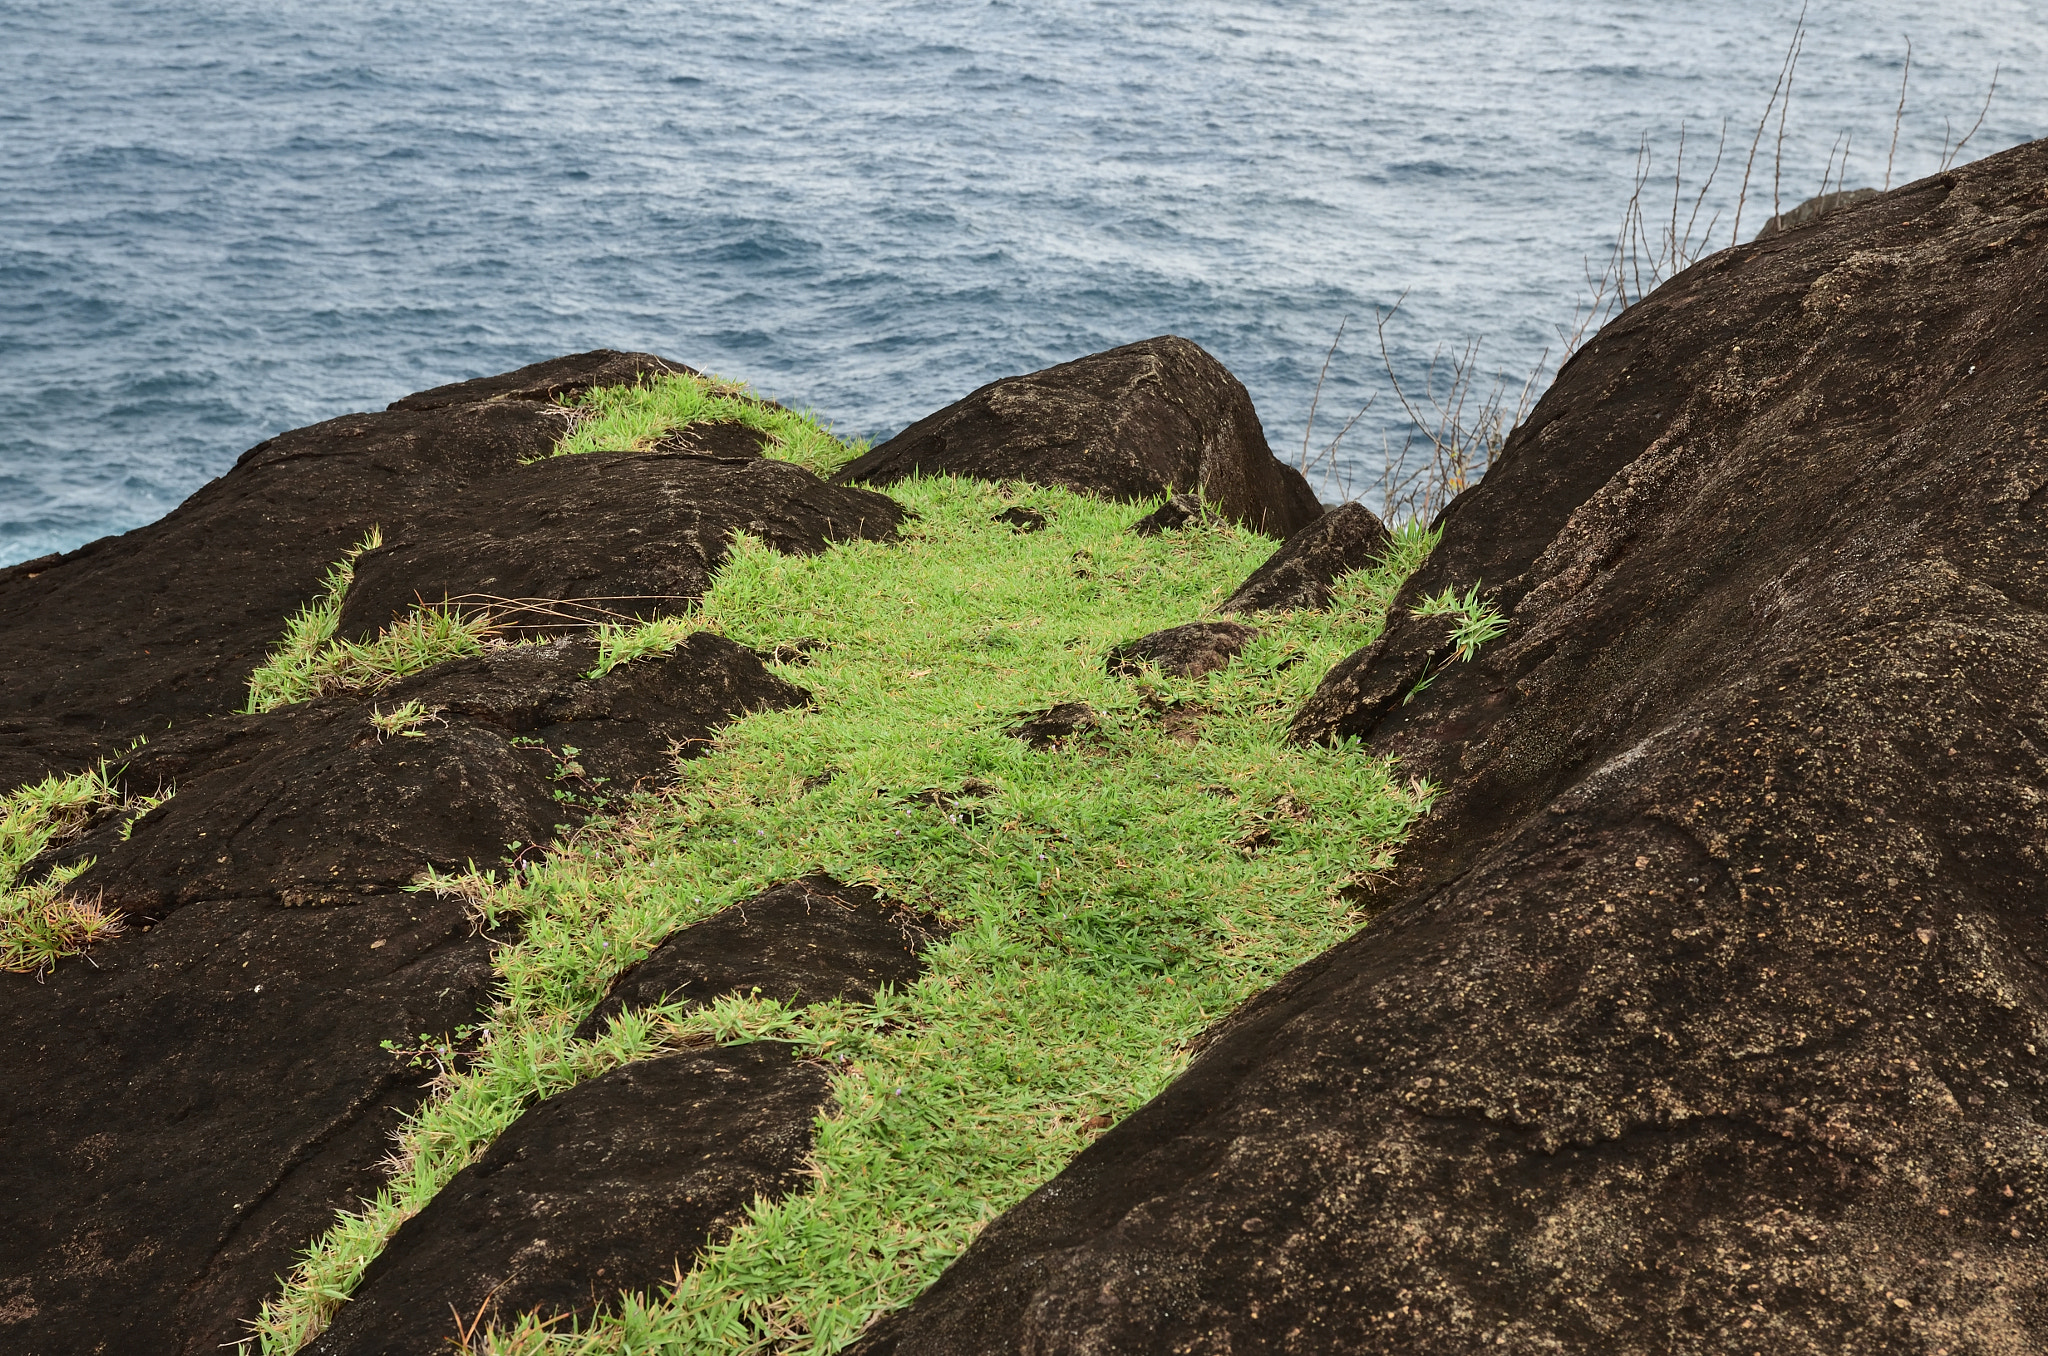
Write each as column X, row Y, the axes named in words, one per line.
column 807, row 941
column 611, row 1186
column 1186, row 651
column 1056, row 725
column 1299, row 575
column 1022, row 519
column 1705, row 1014
column 1177, row 512
column 183, row 1114
column 1813, row 209
column 718, row 438
column 1146, row 419
column 161, row 626
column 314, row 805
column 553, row 546
column 548, row 382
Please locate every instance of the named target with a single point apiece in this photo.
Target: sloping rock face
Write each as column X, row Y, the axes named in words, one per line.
column 315, row 805
column 1150, row 418
column 1189, row 650
column 551, row 547
column 806, row 941
column 133, row 634
column 192, row 1103
column 1709, row 1014
column 1299, row 575
column 613, row 1185
column 186, row 1111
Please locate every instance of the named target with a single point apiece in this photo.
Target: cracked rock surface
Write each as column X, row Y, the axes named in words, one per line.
column 1707, row 1013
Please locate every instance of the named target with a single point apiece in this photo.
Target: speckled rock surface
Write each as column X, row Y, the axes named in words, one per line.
column 1149, row 418
column 1299, row 574
column 1708, row 1013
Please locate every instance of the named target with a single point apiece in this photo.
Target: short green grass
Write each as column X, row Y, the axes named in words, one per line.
column 42, row 923
column 1114, row 898
column 631, row 418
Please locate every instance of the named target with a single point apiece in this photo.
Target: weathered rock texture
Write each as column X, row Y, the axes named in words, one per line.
column 1299, row 575
column 1186, row 651
column 1709, row 1014
column 193, row 1102
column 315, row 805
column 183, row 1113
column 130, row 635
column 553, row 546
column 1145, row 419
column 806, row 941
column 613, row 1185
column 1813, row 209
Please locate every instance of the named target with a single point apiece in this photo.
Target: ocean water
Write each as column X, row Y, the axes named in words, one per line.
column 220, row 220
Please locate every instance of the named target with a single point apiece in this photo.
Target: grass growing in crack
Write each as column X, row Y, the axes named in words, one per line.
column 632, row 418
column 1477, row 621
column 40, row 924
column 292, row 672
column 1113, row 899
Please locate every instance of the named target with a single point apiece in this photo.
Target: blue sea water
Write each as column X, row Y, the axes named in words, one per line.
column 220, row 220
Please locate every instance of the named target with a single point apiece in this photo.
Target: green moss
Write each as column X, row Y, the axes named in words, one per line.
column 1114, row 899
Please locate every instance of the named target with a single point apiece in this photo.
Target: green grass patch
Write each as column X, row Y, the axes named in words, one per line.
column 295, row 671
column 1113, row 898
column 632, row 418
column 41, row 923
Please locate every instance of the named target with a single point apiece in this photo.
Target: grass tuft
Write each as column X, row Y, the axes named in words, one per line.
column 41, row 924
column 1106, row 907
column 632, row 418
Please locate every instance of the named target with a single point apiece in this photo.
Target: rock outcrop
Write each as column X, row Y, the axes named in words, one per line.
column 551, row 547
column 315, row 805
column 806, row 941
column 613, row 1185
column 1151, row 418
column 1708, row 1013
column 1299, row 574
column 1813, row 209
column 194, row 1101
column 130, row 635
column 1190, row 650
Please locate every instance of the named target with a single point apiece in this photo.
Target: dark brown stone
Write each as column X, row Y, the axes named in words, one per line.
column 806, row 941
column 1176, row 513
column 1299, row 575
column 1706, row 1014
column 1186, row 651
column 549, row 381
column 130, row 635
column 1142, row 420
column 185, row 1112
column 611, row 1186
column 551, row 547
column 314, row 805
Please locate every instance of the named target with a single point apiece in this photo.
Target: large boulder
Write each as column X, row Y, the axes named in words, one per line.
column 1147, row 419
column 1707, row 1013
